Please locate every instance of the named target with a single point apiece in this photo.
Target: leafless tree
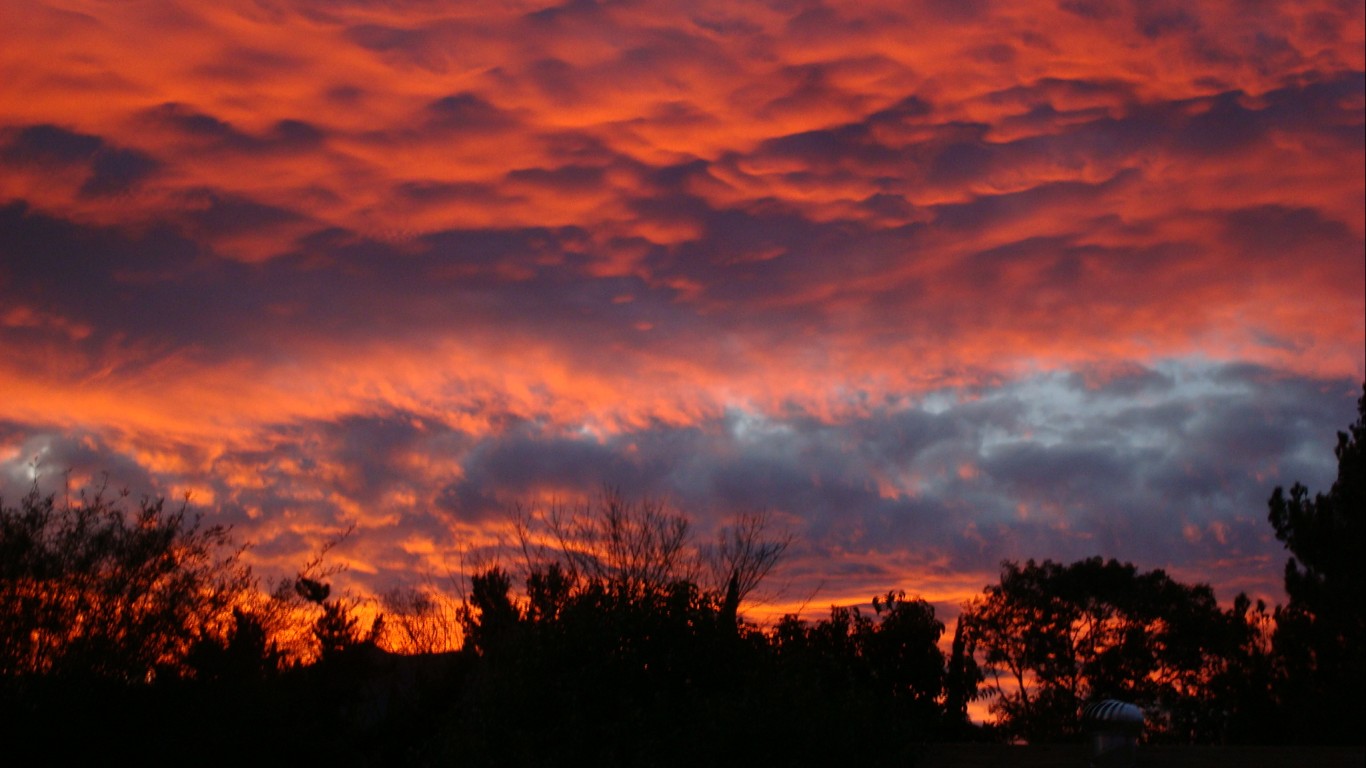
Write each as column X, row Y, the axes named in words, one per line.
column 743, row 555
column 642, row 547
column 636, row 547
column 420, row 620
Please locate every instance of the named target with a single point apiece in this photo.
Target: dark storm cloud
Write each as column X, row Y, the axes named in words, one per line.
column 1136, row 476
column 438, row 193
column 89, row 275
column 48, row 144
column 523, row 458
column 116, row 171
column 424, row 48
column 112, row 169
column 187, row 297
column 290, row 135
column 212, row 214
column 962, row 152
column 1125, row 482
column 1267, row 233
column 467, row 112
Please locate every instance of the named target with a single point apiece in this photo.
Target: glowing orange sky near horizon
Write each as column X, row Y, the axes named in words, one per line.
column 946, row 281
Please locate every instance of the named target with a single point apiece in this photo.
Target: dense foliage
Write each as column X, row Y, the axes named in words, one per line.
column 1053, row 637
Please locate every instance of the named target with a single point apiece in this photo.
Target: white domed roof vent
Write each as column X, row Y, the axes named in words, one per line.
column 1110, row 711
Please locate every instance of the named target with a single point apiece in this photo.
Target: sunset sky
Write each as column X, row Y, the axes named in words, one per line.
column 935, row 283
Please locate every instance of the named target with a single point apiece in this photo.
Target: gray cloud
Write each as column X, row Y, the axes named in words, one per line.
column 112, row 169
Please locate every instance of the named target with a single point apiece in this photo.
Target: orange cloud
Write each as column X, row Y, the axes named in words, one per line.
column 242, row 246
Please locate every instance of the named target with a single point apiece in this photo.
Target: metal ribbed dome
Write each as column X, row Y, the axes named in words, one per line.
column 1112, row 711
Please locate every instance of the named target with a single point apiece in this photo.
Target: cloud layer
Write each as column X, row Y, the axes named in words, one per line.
column 941, row 284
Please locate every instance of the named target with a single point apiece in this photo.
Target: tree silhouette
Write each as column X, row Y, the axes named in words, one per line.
column 962, row 676
column 88, row 590
column 420, row 620
column 610, row 650
column 904, row 652
column 1320, row 637
column 245, row 653
column 743, row 555
column 1054, row 636
column 116, row 622
column 619, row 642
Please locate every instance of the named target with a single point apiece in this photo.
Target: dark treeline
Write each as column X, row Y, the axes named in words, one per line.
column 615, row 640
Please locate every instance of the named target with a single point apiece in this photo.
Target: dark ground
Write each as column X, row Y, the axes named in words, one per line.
column 1066, row 756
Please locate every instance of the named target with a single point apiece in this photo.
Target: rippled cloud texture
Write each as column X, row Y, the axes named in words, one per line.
column 937, row 283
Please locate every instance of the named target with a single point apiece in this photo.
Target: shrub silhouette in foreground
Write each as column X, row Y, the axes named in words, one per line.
column 89, row 590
